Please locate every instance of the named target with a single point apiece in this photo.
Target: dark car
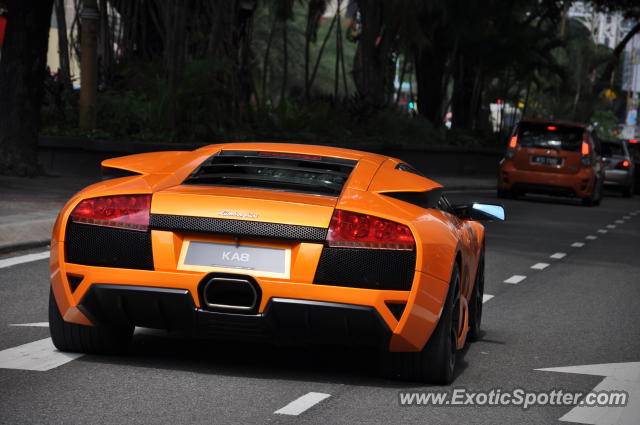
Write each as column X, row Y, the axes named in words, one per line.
column 619, row 170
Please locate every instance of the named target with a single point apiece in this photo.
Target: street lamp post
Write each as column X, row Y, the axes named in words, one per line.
column 89, row 64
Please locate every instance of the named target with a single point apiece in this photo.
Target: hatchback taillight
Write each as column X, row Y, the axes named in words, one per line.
column 513, row 143
column 585, row 150
column 623, row 165
column 354, row 230
column 124, row 211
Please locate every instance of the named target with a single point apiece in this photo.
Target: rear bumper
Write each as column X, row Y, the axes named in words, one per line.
column 580, row 184
column 617, row 177
column 177, row 304
column 284, row 320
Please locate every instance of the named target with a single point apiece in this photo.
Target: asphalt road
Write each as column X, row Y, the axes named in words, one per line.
column 581, row 309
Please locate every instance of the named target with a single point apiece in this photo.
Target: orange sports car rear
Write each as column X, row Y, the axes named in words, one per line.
column 271, row 242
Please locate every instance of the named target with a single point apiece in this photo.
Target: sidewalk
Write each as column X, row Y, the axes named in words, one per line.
column 29, row 206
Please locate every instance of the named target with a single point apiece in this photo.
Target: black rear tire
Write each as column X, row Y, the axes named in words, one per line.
column 504, row 193
column 475, row 303
column 435, row 364
column 86, row 339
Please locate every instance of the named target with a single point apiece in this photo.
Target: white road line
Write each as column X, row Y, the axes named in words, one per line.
column 591, row 237
column 577, row 244
column 486, row 297
column 558, row 256
column 626, row 217
column 611, row 226
column 39, row 355
column 12, row 261
column 602, row 231
column 516, row 278
column 35, row 325
column 302, row 404
column 540, row 266
column 620, row 221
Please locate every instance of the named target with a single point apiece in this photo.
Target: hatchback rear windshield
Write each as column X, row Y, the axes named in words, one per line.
column 548, row 136
column 290, row 172
column 612, row 148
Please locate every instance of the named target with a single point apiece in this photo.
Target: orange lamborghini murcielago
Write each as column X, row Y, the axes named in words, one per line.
column 271, row 242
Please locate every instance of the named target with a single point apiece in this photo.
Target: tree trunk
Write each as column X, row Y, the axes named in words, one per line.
column 605, row 78
column 322, row 46
column 369, row 63
column 463, row 92
column 63, row 45
column 430, row 71
column 22, row 72
column 285, row 61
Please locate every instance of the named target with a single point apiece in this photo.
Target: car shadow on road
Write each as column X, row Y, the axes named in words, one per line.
column 338, row 365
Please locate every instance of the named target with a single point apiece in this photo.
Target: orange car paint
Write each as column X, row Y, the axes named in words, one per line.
column 572, row 174
column 441, row 238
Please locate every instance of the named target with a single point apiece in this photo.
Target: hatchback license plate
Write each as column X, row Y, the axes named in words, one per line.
column 231, row 256
column 546, row 160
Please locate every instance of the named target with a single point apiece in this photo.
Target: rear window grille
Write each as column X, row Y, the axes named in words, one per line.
column 275, row 171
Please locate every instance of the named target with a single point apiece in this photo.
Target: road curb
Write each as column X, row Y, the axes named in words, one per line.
column 23, row 246
column 25, row 234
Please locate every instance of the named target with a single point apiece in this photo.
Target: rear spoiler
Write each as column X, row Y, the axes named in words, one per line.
column 142, row 163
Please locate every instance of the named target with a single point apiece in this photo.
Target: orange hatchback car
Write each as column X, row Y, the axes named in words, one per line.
column 553, row 158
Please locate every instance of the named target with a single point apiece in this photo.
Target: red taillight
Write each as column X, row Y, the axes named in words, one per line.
column 125, row 211
column 585, row 148
column 623, row 164
column 552, row 128
column 354, row 230
column 633, row 141
column 513, row 142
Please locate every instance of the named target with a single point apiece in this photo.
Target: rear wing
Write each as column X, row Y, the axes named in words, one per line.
column 143, row 163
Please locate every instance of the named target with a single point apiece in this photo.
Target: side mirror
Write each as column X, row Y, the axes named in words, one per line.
column 476, row 211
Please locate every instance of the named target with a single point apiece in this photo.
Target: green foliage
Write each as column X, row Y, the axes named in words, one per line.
column 605, row 122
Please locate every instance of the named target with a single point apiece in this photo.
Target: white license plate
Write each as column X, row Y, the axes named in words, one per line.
column 546, row 160
column 233, row 256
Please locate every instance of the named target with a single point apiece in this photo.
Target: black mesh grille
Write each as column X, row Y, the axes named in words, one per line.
column 108, row 247
column 366, row 268
column 179, row 223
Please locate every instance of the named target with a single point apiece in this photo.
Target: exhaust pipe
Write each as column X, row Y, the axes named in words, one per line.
column 230, row 293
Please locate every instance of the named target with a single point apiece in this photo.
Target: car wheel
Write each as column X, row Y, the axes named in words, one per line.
column 86, row 339
column 587, row 202
column 504, row 193
column 475, row 303
column 436, row 362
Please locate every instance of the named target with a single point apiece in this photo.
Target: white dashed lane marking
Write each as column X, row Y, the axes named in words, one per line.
column 577, row 244
column 12, row 261
column 486, row 297
column 540, row 266
column 36, row 324
column 558, row 256
column 516, row 278
column 611, row 226
column 301, row 404
column 591, row 237
column 620, row 221
column 626, row 217
column 602, row 231
column 39, row 355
